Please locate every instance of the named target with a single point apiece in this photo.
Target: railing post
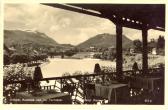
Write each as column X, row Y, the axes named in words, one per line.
column 61, row 85
column 103, row 77
column 84, row 89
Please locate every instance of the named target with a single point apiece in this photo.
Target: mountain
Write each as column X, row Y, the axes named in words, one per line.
column 19, row 37
column 105, row 40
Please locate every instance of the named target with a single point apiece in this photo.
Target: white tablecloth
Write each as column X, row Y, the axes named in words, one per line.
column 108, row 92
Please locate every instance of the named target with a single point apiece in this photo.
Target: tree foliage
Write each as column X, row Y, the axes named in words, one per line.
column 70, row 53
column 23, row 58
column 161, row 42
column 138, row 45
column 19, row 58
column 6, row 59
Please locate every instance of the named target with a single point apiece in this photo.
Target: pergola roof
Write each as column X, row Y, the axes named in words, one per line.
column 137, row 16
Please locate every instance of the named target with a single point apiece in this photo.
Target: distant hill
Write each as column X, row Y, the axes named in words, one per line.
column 12, row 37
column 105, row 40
column 67, row 45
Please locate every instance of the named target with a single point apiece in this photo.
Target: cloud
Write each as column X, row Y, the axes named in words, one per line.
column 132, row 33
column 64, row 22
column 155, row 34
column 61, row 25
column 54, row 28
column 137, row 34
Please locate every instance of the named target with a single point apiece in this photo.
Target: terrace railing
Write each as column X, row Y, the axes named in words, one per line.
column 75, row 85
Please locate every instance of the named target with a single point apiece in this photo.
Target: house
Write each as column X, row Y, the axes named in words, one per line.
column 131, row 50
column 154, row 51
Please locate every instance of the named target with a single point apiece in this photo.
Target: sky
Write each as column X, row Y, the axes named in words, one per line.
column 65, row 27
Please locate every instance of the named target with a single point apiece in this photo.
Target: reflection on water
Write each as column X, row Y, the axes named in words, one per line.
column 58, row 66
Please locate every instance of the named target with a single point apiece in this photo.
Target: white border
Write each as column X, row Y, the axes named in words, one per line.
column 81, row 107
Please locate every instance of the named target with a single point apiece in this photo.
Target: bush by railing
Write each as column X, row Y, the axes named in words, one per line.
column 17, row 72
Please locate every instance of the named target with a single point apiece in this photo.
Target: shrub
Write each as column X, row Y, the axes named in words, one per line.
column 22, row 58
column 6, row 59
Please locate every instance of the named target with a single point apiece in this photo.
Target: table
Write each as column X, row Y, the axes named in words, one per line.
column 115, row 93
column 147, row 83
column 45, row 98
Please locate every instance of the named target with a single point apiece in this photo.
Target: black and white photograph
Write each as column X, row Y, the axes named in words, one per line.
column 84, row 53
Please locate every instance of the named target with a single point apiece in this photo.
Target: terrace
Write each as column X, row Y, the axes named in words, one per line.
column 146, row 87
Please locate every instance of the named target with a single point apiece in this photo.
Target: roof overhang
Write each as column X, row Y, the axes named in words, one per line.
column 136, row 16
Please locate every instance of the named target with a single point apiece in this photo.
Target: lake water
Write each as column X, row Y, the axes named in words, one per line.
column 58, row 66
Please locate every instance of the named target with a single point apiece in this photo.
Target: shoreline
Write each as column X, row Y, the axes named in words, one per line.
column 62, row 65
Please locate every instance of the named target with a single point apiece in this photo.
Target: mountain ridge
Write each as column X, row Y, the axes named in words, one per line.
column 24, row 37
column 41, row 40
column 105, row 40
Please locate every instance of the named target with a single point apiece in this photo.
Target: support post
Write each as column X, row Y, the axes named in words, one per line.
column 61, row 85
column 145, row 51
column 119, row 58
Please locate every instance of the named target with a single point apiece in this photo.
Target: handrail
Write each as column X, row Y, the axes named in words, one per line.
column 76, row 76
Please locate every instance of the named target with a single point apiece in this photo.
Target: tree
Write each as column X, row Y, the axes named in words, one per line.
column 138, row 45
column 152, row 44
column 70, row 52
column 19, row 58
column 161, row 42
column 6, row 59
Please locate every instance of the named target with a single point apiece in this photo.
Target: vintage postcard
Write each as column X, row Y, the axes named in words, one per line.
column 84, row 54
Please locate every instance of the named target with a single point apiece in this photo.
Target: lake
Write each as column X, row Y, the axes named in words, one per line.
column 56, row 67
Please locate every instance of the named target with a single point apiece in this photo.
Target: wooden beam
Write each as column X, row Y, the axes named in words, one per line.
column 119, row 58
column 125, row 22
column 145, row 51
column 74, row 9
